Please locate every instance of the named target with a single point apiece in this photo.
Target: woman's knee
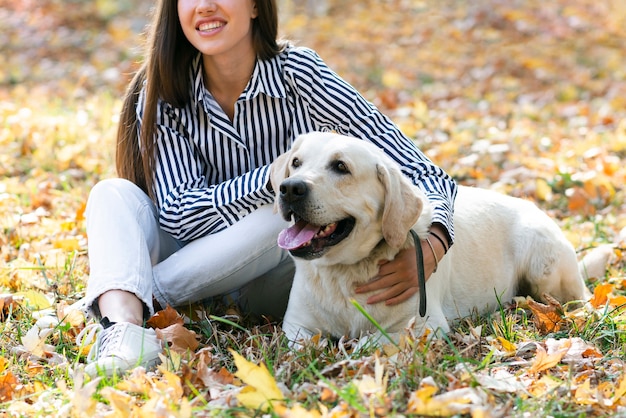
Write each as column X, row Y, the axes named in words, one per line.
column 115, row 191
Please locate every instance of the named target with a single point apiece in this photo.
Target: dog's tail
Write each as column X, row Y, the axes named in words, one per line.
column 594, row 264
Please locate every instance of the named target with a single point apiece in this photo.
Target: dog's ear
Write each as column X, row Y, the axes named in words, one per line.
column 403, row 205
column 278, row 172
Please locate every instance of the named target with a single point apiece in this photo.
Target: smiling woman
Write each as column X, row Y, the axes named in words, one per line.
column 217, row 101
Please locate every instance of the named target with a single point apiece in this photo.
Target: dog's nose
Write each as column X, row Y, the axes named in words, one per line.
column 292, row 190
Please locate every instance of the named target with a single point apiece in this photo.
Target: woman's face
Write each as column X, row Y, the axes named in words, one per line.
column 216, row 27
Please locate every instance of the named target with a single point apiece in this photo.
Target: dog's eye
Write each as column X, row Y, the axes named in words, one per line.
column 296, row 162
column 341, row 167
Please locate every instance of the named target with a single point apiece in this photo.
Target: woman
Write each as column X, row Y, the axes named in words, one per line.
column 217, row 100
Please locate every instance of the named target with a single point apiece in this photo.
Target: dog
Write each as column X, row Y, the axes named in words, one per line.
column 351, row 207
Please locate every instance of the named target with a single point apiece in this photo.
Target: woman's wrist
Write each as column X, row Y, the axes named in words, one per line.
column 438, row 240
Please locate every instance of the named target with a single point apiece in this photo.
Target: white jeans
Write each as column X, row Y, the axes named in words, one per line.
column 128, row 251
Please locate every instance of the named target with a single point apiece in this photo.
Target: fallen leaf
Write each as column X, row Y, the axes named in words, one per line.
column 122, row 403
column 165, row 318
column 459, row 401
column 261, row 390
column 585, row 395
column 547, row 318
column 621, row 390
column 297, row 411
column 601, row 295
column 8, row 382
column 35, row 299
column 507, row 345
column 179, row 338
column 544, row 361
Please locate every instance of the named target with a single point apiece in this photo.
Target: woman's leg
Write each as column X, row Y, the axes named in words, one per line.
column 124, row 242
column 228, row 260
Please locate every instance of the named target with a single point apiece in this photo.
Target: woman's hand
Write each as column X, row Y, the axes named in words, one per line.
column 397, row 279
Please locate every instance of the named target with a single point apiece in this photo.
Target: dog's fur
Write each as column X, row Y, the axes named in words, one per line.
column 503, row 245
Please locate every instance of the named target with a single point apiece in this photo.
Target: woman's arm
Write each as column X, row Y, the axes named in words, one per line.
column 191, row 204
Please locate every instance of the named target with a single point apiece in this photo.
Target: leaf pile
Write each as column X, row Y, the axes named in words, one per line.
column 523, row 96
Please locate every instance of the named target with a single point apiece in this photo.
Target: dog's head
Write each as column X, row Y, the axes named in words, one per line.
column 343, row 195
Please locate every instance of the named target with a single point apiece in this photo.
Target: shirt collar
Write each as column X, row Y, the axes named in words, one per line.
column 267, row 78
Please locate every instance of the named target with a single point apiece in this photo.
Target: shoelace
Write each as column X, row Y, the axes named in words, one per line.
column 104, row 339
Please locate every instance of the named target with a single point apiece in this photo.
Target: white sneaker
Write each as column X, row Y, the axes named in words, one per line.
column 119, row 347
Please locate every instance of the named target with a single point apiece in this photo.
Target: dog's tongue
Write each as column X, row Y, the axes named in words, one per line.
column 297, row 235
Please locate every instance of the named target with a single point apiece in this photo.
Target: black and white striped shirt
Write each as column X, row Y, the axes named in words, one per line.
column 211, row 172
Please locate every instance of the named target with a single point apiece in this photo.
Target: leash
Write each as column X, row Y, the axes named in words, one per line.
column 421, row 275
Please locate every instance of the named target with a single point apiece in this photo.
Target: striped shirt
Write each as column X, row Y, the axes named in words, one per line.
column 211, row 172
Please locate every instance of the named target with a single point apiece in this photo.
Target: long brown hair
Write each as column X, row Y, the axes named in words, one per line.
column 165, row 76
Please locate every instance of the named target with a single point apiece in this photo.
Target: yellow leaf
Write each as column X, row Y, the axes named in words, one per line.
column 36, row 300
column 545, row 361
column 585, row 395
column 120, row 402
column 392, row 79
column 507, row 345
column 621, row 390
column 296, row 411
column 543, row 190
column 459, row 401
column 67, row 244
column 261, row 389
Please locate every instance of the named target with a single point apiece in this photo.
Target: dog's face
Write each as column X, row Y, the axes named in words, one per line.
column 344, row 195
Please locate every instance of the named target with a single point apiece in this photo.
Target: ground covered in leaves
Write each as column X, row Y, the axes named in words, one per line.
column 525, row 97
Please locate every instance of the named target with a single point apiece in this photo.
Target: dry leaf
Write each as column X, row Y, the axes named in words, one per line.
column 544, row 361
column 165, row 318
column 179, row 338
column 459, row 401
column 547, row 318
column 600, row 295
column 262, row 390
column 8, row 382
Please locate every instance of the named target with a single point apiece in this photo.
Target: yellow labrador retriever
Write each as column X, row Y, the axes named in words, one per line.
column 352, row 207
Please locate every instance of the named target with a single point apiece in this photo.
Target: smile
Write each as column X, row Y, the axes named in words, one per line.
column 205, row 27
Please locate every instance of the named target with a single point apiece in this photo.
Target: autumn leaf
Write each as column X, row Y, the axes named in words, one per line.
column 544, row 361
column 459, row 401
column 600, row 295
column 121, row 402
column 585, row 395
column 7, row 305
column 35, row 299
column 165, row 318
column 180, row 339
column 621, row 389
column 8, row 382
column 507, row 345
column 261, row 390
column 547, row 318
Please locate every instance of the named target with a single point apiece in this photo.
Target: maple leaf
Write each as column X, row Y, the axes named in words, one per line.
column 261, row 390
column 547, row 318
column 544, row 361
column 180, row 338
column 601, row 295
column 164, row 318
column 8, row 382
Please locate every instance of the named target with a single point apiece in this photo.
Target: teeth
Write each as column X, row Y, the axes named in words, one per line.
column 210, row 26
column 326, row 231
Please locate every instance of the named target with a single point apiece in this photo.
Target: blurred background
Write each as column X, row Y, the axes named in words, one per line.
column 524, row 96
